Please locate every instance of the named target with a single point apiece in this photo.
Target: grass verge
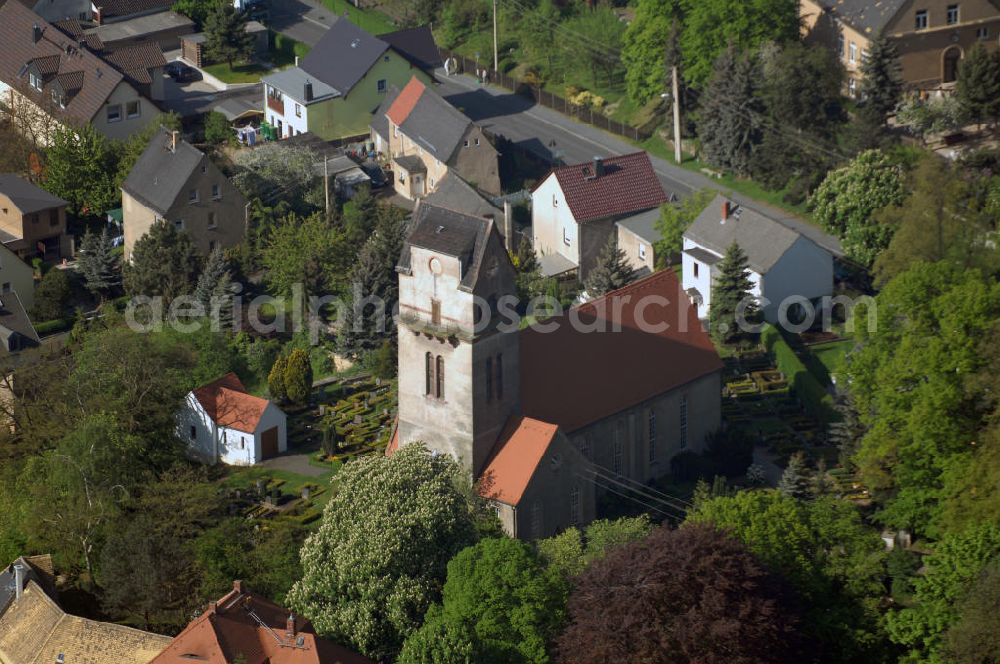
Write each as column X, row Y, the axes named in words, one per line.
column 374, row 22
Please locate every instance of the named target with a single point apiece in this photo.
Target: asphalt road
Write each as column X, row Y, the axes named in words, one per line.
column 545, row 132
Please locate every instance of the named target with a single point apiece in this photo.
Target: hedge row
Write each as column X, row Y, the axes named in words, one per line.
column 53, row 326
column 816, row 400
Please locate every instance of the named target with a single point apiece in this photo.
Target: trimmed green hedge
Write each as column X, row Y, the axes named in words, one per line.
column 53, row 326
column 813, row 396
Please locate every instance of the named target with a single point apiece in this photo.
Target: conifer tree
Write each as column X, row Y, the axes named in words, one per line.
column 225, row 34
column 731, row 113
column 213, row 288
column 882, row 84
column 276, row 379
column 795, row 481
column 978, row 84
column 98, row 264
column 529, row 275
column 732, row 287
column 298, row 376
column 611, row 272
column 163, row 262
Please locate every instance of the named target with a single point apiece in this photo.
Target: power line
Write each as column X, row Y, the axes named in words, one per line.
column 647, row 488
column 635, row 487
column 626, row 496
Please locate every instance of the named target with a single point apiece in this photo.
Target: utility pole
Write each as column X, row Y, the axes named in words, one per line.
column 326, row 185
column 496, row 58
column 677, row 115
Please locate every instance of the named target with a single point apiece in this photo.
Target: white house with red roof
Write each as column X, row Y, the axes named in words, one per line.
column 545, row 418
column 221, row 421
column 574, row 209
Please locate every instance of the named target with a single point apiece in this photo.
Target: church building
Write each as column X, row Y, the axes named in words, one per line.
column 547, row 417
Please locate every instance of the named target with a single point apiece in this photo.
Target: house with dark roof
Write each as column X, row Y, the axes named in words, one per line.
column 426, row 138
column 48, row 78
column 785, row 266
column 931, row 36
column 175, row 181
column 221, row 421
column 574, row 209
column 245, row 626
column 549, row 417
column 34, row 629
column 339, row 84
column 32, row 221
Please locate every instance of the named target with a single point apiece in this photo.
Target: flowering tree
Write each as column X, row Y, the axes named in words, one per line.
column 380, row 556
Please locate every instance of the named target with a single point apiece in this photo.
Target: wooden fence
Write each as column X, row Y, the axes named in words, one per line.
column 548, row 99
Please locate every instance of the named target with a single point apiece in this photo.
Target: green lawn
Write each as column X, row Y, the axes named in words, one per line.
column 370, row 20
column 291, row 483
column 282, row 54
column 827, row 359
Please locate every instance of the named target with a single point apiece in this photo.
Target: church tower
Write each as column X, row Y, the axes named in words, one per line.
column 458, row 352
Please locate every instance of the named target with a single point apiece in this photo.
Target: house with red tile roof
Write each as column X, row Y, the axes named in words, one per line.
column 48, row 77
column 575, row 209
column 221, row 421
column 547, row 417
column 425, row 138
column 243, row 623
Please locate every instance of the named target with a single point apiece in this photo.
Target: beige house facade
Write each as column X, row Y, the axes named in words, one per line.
column 32, row 221
column 931, row 36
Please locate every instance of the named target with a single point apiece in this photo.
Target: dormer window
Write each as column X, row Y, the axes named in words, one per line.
column 35, row 81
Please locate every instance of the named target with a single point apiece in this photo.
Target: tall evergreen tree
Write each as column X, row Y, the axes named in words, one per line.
column 98, row 263
column 276, row 379
column 374, row 284
column 214, row 288
column 529, row 274
column 163, row 262
column 611, row 272
column 225, row 34
column 795, row 481
column 978, row 84
column 732, row 287
column 882, row 85
column 298, row 376
column 731, row 114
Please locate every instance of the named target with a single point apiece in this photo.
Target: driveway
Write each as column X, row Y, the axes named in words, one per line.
column 301, row 20
column 295, row 461
column 200, row 97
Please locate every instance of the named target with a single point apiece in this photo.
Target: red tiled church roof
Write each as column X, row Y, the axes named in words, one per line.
column 229, row 404
column 573, row 378
column 628, row 185
column 516, row 455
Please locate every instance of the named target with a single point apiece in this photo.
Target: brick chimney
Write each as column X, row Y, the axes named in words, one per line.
column 238, row 587
column 725, row 210
column 173, row 141
column 598, row 167
column 36, row 34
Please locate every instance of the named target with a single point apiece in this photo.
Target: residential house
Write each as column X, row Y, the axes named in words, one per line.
column 35, row 630
column 574, row 209
column 783, row 262
column 637, row 237
column 339, row 84
column 221, row 421
column 931, row 36
column 175, row 181
column 544, row 419
column 426, row 137
column 165, row 28
column 16, row 276
column 48, row 78
column 32, row 221
column 243, row 623
column 16, row 331
column 113, row 11
column 58, row 10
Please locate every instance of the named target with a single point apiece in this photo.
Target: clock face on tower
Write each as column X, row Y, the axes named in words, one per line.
column 435, row 266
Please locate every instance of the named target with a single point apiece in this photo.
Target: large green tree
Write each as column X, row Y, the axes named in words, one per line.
column 53, row 296
column 978, row 83
column 98, row 263
column 498, row 593
column 974, row 638
column 645, row 45
column 163, row 262
column 954, row 565
column 379, row 557
column 80, row 167
column 308, row 253
column 689, row 595
column 824, row 549
column 909, row 378
column 731, row 118
column 214, row 289
column 674, row 220
column 712, row 26
column 732, row 298
column 846, row 201
column 226, row 37
column 569, row 552
column 611, row 272
column 882, row 79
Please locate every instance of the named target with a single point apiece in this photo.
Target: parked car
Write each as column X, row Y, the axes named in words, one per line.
column 181, row 72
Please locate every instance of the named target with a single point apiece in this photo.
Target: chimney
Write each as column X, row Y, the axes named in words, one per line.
column 725, row 210
column 238, row 587
column 598, row 167
column 19, row 573
column 290, row 626
column 173, row 141
column 307, row 90
column 508, row 227
column 296, row 61
column 36, row 33
column 213, row 607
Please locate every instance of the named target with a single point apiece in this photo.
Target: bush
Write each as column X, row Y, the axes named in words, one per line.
column 217, row 129
column 52, row 296
column 53, row 326
column 814, row 398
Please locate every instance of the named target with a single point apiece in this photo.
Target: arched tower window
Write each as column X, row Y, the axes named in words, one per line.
column 439, row 393
column 429, row 373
